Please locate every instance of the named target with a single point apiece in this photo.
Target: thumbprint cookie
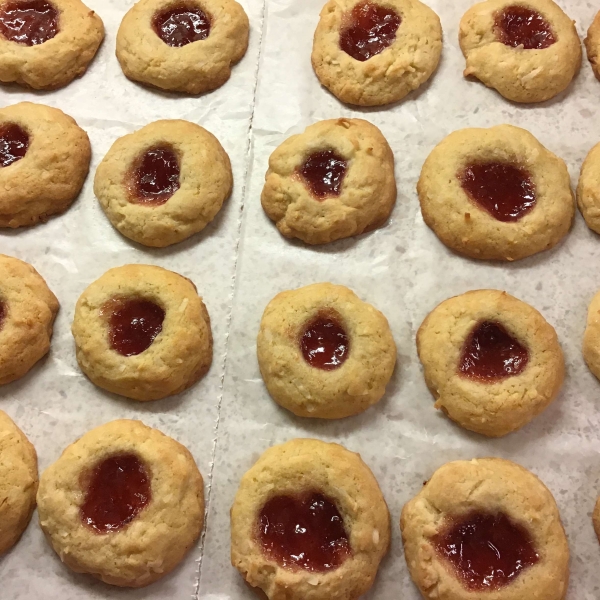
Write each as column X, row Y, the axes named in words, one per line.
column 592, row 44
column 591, row 337
column 588, row 189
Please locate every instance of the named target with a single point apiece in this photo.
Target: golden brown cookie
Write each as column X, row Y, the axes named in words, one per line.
column 333, row 181
column 492, row 362
column 309, row 522
column 596, row 518
column 163, row 183
column 528, row 51
column 323, row 352
column 142, row 332
column 44, row 160
column 591, row 337
column 182, row 46
column 376, row 52
column 496, row 194
column 45, row 44
column 485, row 528
column 27, row 312
column 18, row 482
column 588, row 189
column 123, row 503
column 592, row 45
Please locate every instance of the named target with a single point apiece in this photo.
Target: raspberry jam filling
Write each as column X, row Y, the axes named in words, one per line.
column 519, row 26
column 368, row 30
column 155, row 178
column 487, row 551
column 181, row 25
column 14, row 143
column 2, row 313
column 117, row 490
column 323, row 174
column 304, row 531
column 491, row 354
column 324, row 342
column 503, row 190
column 28, row 22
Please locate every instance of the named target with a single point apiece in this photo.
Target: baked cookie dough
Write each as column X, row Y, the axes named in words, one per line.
column 592, row 45
column 18, row 482
column 372, row 53
column 45, row 44
column 591, row 337
column 323, row 352
column 596, row 518
column 142, row 332
column 186, row 46
column 44, row 160
column 496, row 194
column 485, row 528
column 163, row 183
column 309, row 522
column 27, row 312
column 527, row 51
column 123, row 503
column 588, row 189
column 492, row 362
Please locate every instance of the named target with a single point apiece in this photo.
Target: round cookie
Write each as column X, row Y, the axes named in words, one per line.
column 44, row 160
column 485, row 528
column 18, row 482
column 592, row 45
column 588, row 189
column 309, row 522
column 333, row 181
column 323, row 352
column 374, row 53
column 45, row 44
column 496, row 194
column 529, row 51
column 123, row 503
column 492, row 362
column 142, row 332
column 163, row 183
column 185, row 46
column 596, row 518
column 27, row 312
column 591, row 337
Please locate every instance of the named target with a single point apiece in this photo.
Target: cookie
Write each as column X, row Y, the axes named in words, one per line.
column 142, row 332
column 18, row 482
column 45, row 44
column 44, row 160
column 592, row 45
column 591, row 337
column 309, row 522
column 492, row 362
column 596, row 518
column 163, row 183
column 333, row 181
column 27, row 312
column 528, row 52
column 588, row 189
column 123, row 503
column 182, row 47
column 371, row 54
column 485, row 528
column 323, row 352
column 496, row 194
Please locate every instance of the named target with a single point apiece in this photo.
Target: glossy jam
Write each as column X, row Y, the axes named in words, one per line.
column 14, row 143
column 324, row 342
column 2, row 313
column 520, row 26
column 506, row 192
column 116, row 491
column 487, row 551
column 304, row 531
column 181, row 25
column 28, row 22
column 323, row 173
column 490, row 353
column 368, row 30
column 133, row 324
column 156, row 177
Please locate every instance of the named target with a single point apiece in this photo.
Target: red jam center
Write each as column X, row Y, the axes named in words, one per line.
column 323, row 173
column 28, row 22
column 2, row 313
column 181, row 25
column 520, row 26
column 118, row 490
column 304, row 531
column 324, row 342
column 133, row 324
column 490, row 353
column 487, row 551
column 156, row 177
column 503, row 190
column 14, row 143
column 368, row 30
